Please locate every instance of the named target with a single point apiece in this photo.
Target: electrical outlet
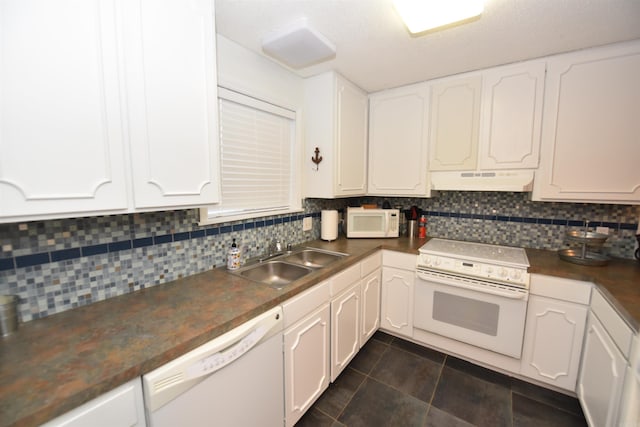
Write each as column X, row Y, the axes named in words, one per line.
column 602, row 230
column 307, row 223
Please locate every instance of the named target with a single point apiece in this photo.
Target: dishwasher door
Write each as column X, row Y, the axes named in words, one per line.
column 236, row 379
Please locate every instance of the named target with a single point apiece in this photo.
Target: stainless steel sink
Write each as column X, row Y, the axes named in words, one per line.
column 274, row 273
column 279, row 270
column 313, row 258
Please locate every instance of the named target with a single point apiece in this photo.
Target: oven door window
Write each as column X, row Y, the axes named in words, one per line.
column 467, row 313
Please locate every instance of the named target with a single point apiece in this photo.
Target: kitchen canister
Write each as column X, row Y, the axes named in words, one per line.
column 8, row 314
column 329, row 225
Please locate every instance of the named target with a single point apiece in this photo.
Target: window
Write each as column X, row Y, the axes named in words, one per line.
column 258, row 160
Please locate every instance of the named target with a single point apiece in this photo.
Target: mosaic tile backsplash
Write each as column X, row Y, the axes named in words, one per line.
column 57, row 265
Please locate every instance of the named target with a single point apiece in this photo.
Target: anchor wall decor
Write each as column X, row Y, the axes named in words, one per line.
column 318, row 158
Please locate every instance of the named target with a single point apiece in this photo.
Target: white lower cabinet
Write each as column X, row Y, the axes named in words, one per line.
column 370, row 290
column 345, row 329
column 601, row 376
column 607, row 347
column 306, row 363
column 121, row 407
column 553, row 341
column 396, row 305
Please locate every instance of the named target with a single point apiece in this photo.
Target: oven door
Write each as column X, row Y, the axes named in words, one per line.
column 483, row 314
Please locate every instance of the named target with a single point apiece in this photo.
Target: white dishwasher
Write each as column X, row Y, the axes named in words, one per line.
column 235, row 380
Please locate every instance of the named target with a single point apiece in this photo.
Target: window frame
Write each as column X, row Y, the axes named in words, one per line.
column 209, row 216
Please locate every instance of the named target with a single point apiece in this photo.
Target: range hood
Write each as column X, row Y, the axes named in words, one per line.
column 499, row 180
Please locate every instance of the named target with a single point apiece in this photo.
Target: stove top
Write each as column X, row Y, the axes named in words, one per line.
column 490, row 262
column 481, row 252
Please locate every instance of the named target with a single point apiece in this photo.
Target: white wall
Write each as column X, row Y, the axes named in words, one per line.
column 243, row 71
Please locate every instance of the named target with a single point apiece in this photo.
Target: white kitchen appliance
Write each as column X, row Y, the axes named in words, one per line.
column 474, row 293
column 361, row 222
column 233, row 380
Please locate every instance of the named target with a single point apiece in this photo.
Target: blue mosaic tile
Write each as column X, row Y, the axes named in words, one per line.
column 213, row 231
column 633, row 227
column 95, row 250
column 260, row 224
column 142, row 242
column 249, row 225
column 237, row 227
column 6, row 264
column 120, row 246
column 178, row 237
column 165, row 238
column 197, row 234
column 573, row 223
column 31, row 260
column 65, row 254
column 225, row 229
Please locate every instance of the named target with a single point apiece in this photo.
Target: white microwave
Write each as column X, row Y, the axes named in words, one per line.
column 361, row 222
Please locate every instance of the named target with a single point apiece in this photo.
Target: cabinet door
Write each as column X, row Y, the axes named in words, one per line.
column 601, row 376
column 590, row 146
column 351, row 149
column 553, row 341
column 122, row 406
column 345, row 329
column 61, row 134
column 306, row 363
column 396, row 312
column 370, row 306
column 398, row 142
column 172, row 102
column 455, row 118
column 511, row 118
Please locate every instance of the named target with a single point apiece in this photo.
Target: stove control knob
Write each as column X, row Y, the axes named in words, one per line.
column 516, row 274
column 427, row 260
column 437, row 261
column 502, row 272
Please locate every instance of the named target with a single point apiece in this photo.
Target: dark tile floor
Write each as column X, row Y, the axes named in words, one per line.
column 393, row 382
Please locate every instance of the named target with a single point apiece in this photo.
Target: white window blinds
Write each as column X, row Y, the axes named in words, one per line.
column 256, row 156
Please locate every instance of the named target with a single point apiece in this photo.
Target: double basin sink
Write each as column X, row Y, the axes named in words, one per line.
column 283, row 269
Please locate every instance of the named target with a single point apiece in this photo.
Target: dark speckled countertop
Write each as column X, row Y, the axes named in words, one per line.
column 55, row 364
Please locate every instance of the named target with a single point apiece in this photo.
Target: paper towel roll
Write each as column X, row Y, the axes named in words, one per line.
column 329, row 225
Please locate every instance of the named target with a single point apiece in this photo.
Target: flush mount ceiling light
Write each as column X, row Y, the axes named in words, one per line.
column 298, row 45
column 423, row 15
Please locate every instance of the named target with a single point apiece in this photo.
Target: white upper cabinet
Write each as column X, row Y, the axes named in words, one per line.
column 336, row 124
column 511, row 116
column 455, row 120
column 398, row 130
column 107, row 107
column 61, row 129
column 171, row 85
column 485, row 128
column 590, row 137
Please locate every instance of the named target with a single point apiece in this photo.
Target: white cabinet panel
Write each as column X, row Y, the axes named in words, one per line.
column 121, row 407
column 306, row 363
column 601, row 376
column 107, row 107
column 511, row 118
column 553, row 341
column 396, row 312
column 336, row 124
column 370, row 305
column 398, row 126
column 590, row 146
column 455, row 120
column 345, row 329
column 172, row 100
column 61, row 134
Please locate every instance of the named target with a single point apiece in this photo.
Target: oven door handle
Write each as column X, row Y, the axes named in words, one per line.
column 480, row 288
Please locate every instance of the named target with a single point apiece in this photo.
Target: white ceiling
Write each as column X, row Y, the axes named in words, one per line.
column 375, row 51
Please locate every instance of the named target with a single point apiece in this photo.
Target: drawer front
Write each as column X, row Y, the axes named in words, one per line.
column 342, row 280
column 371, row 263
column 302, row 304
column 560, row 288
column 400, row 260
